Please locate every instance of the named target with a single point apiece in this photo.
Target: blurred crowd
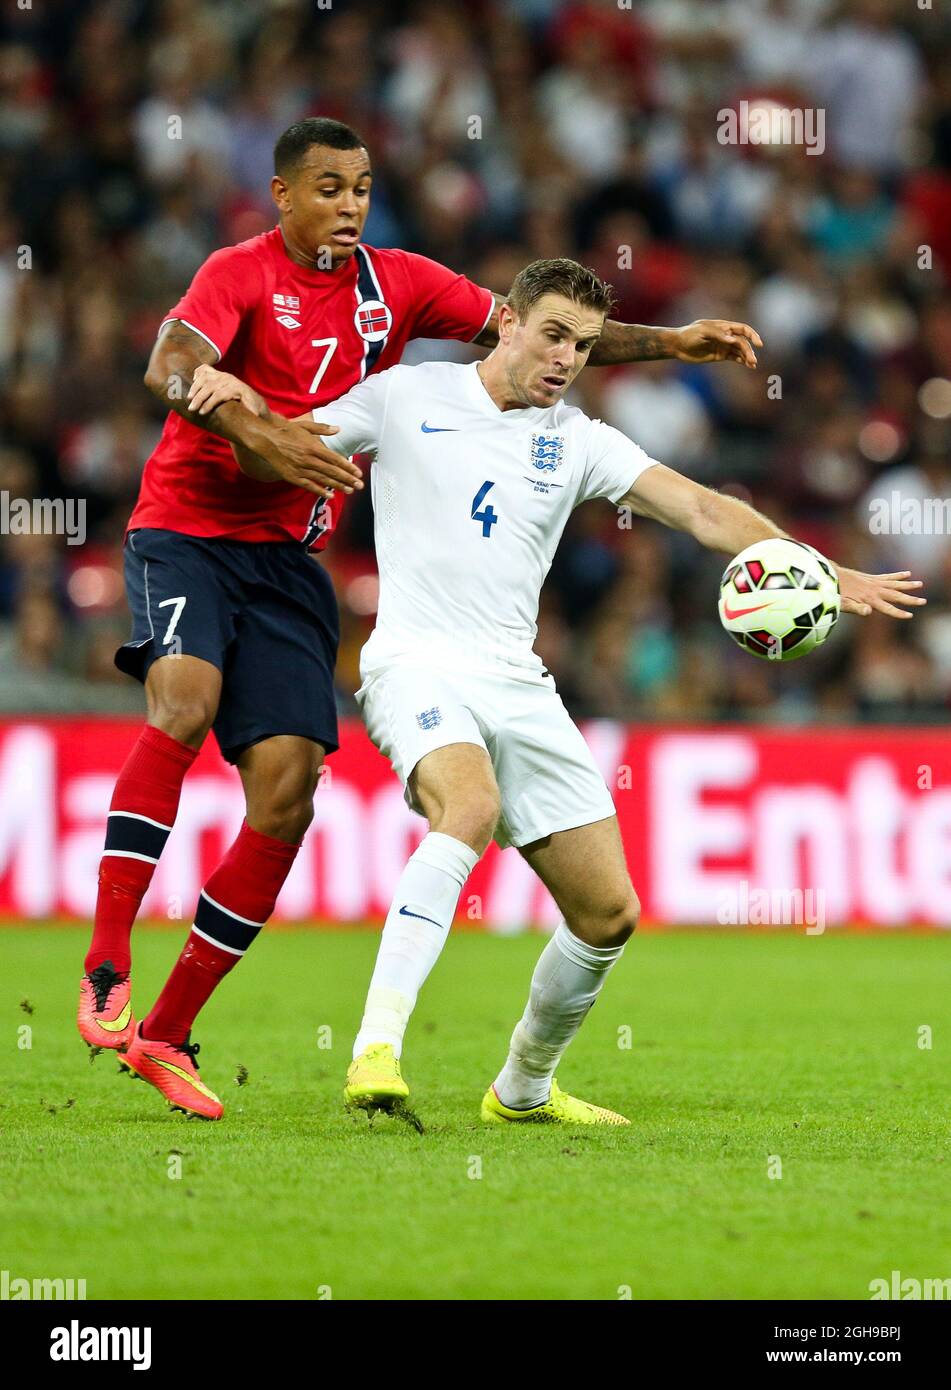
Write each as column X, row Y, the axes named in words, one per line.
column 501, row 131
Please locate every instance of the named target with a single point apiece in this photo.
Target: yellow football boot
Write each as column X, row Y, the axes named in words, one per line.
column 374, row 1080
column 558, row 1109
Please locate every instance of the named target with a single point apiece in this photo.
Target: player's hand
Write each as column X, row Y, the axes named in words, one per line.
column 211, row 388
column 294, row 451
column 879, row 593
column 717, row 340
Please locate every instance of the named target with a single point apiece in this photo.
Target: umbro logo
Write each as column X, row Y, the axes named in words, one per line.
column 285, row 307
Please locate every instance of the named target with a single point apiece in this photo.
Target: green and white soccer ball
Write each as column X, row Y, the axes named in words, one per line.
column 779, row 599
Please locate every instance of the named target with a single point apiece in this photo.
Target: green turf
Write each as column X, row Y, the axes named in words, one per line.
column 744, row 1046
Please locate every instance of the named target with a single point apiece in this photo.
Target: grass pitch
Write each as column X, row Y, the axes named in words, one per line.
column 748, row 1054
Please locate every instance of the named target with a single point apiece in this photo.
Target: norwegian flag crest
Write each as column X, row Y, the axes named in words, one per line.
column 373, row 320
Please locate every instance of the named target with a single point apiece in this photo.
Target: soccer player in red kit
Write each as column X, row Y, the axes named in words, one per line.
column 234, row 619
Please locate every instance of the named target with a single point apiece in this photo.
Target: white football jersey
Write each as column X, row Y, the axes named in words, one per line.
column 469, row 505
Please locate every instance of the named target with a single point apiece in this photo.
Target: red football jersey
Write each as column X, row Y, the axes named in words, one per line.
column 301, row 338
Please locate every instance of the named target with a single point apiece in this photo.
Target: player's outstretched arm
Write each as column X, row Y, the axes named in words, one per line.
column 284, row 449
column 729, row 525
column 706, row 340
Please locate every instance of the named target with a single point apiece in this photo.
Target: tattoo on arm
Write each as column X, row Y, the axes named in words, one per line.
column 177, row 353
column 630, row 342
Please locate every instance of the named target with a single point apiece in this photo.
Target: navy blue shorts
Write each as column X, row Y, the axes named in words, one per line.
column 264, row 613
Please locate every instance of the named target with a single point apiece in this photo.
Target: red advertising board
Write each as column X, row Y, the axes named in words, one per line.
column 720, row 825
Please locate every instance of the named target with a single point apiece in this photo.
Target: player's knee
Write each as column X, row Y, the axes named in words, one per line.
column 185, row 718
column 294, row 822
column 280, row 778
column 284, row 819
column 472, row 820
column 285, row 811
column 614, row 924
column 622, row 922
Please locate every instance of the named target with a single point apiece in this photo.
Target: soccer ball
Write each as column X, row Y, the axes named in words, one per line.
column 779, row 599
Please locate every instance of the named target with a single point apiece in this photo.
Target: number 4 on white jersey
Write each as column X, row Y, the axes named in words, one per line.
column 488, row 516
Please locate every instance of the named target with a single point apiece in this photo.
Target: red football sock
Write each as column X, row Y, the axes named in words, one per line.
column 195, row 976
column 143, row 809
column 234, row 905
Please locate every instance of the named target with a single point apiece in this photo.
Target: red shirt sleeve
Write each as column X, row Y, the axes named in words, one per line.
column 224, row 289
column 446, row 305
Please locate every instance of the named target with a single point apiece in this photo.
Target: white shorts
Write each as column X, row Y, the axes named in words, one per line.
column 547, row 778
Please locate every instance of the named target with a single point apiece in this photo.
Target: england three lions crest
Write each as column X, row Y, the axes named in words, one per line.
column 548, row 452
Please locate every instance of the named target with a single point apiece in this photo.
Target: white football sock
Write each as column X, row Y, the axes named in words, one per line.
column 566, row 982
column 415, row 932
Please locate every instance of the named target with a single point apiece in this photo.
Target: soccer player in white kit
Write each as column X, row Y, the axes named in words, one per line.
column 476, row 471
